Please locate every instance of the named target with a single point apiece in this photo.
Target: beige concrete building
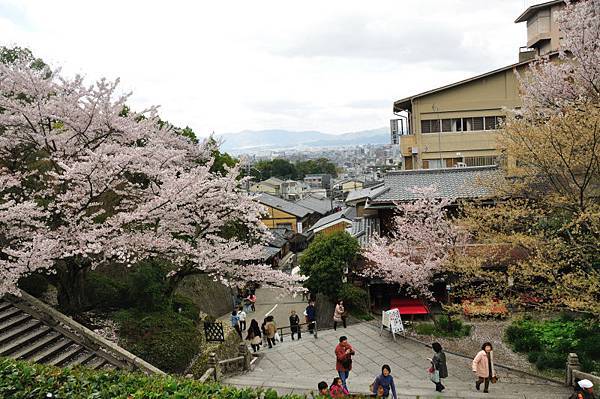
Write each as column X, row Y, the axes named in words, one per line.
column 456, row 125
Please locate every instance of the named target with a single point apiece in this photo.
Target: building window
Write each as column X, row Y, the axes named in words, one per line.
column 476, row 123
column 284, row 226
column 481, row 161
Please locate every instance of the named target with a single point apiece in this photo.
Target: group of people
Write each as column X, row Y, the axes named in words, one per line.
column 383, row 385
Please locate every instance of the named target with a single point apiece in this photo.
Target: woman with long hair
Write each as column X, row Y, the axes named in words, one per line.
column 254, row 335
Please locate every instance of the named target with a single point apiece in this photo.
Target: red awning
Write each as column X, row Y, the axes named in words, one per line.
column 409, row 306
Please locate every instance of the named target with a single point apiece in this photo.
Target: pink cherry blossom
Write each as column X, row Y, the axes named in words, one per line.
column 420, row 241
column 83, row 184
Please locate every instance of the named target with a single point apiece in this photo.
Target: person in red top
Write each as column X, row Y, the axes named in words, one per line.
column 343, row 355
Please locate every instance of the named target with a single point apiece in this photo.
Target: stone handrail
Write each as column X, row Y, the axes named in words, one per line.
column 574, row 372
column 82, row 333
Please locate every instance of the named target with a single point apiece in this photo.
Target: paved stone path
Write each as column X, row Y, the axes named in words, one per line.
column 297, row 367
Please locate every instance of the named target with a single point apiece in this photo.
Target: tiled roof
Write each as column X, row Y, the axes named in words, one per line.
column 319, row 205
column 283, row 205
column 343, row 214
column 454, row 183
column 364, row 193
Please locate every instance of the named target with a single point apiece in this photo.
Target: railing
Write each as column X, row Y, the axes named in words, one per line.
column 217, row 368
column 574, row 372
column 280, row 330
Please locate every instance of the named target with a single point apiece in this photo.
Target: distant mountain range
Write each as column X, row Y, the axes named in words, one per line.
column 252, row 141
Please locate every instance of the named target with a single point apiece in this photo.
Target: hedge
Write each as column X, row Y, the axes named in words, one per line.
column 22, row 380
column 548, row 342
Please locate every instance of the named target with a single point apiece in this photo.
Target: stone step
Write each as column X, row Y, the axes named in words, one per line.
column 14, row 321
column 5, row 305
column 65, row 355
column 42, row 342
column 95, row 363
column 30, row 336
column 19, row 329
column 8, row 313
column 80, row 359
column 51, row 350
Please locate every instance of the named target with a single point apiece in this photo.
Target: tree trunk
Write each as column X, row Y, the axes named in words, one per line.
column 70, row 284
column 173, row 283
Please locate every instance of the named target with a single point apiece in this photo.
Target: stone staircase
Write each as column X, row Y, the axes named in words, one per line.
column 24, row 337
column 33, row 331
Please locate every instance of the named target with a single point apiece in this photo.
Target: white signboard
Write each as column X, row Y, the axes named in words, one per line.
column 392, row 320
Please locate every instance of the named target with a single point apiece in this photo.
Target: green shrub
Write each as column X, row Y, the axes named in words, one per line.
column 105, row 293
column 425, row 328
column 146, row 285
column 550, row 360
column 186, row 308
column 548, row 342
column 22, row 380
column 35, row 284
column 532, row 357
column 165, row 339
column 354, row 298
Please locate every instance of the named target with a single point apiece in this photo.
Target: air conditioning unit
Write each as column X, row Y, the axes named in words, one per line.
column 414, row 150
column 461, row 165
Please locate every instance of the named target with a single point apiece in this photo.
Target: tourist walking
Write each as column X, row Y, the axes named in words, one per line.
column 242, row 316
column 337, row 388
column 254, row 336
column 438, row 364
column 483, row 367
column 295, row 324
column 252, row 300
column 343, row 362
column 311, row 316
column 270, row 330
column 339, row 314
column 384, row 381
column 235, row 323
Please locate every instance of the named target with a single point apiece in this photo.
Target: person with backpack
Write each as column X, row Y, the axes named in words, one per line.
column 384, row 381
column 343, row 356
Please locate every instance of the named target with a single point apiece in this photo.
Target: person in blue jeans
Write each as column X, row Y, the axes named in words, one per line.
column 386, row 381
column 343, row 363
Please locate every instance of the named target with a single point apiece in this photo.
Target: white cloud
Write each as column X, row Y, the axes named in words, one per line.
column 229, row 66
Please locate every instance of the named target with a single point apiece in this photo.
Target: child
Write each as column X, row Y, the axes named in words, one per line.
column 337, row 390
column 323, row 389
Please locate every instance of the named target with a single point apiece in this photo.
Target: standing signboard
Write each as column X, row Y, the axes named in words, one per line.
column 392, row 320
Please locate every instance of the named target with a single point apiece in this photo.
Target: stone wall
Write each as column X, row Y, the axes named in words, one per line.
column 212, row 297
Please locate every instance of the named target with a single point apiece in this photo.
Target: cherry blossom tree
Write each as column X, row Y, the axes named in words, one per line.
column 84, row 184
column 421, row 241
column 552, row 87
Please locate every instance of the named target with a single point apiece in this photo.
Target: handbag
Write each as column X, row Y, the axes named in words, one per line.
column 494, row 379
column 435, row 376
column 346, row 363
column 276, row 337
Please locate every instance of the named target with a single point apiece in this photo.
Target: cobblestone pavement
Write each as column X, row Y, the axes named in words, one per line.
column 297, row 366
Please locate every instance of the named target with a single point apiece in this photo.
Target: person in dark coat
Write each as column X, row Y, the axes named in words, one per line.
column 439, row 363
column 295, row 324
column 254, row 335
column 311, row 316
column 384, row 381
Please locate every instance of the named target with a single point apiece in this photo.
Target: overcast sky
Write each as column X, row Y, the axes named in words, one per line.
column 226, row 66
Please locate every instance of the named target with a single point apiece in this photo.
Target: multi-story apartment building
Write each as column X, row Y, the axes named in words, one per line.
column 456, row 125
